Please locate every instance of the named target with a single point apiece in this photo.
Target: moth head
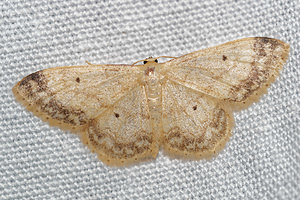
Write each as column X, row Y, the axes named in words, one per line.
column 150, row 60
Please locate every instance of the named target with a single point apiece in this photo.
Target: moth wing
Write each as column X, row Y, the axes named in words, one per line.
column 69, row 97
column 194, row 125
column 123, row 133
column 237, row 71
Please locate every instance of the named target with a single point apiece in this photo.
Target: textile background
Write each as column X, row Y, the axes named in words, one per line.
column 261, row 160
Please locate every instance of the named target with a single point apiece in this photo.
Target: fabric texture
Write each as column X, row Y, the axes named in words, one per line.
column 261, row 160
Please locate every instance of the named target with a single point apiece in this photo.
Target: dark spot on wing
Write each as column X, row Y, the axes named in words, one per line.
column 263, row 39
column 37, row 77
column 117, row 115
column 78, row 80
column 224, row 58
column 195, row 107
column 259, row 48
column 273, row 43
column 32, row 77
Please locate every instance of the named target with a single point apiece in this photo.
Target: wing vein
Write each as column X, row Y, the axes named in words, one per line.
column 120, row 99
column 179, row 107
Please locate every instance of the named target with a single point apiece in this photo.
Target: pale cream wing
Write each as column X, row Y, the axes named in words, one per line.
column 234, row 71
column 194, row 125
column 69, row 97
column 124, row 133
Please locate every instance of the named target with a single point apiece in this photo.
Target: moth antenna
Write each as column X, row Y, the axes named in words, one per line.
column 87, row 62
column 138, row 62
column 166, row 57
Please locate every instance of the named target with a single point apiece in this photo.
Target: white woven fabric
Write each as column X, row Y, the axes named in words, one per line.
column 261, row 160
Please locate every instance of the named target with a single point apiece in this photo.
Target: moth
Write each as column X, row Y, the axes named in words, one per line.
column 126, row 113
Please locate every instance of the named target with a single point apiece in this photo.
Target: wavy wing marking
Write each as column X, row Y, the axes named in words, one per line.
column 233, row 71
column 193, row 124
column 124, row 134
column 70, row 96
